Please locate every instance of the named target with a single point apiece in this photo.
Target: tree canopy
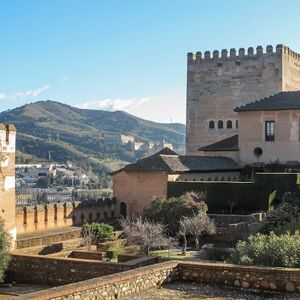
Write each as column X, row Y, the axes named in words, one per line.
column 169, row 211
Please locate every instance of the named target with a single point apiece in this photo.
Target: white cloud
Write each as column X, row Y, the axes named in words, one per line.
column 114, row 104
column 165, row 107
column 2, row 95
column 32, row 93
column 65, row 78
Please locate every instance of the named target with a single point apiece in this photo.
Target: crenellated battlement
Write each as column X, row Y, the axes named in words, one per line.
column 7, row 137
column 240, row 54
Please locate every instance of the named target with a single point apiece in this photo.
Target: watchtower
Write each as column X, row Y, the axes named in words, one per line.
column 218, row 82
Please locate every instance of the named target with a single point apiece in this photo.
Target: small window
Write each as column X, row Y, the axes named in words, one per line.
column 220, row 124
column 229, row 124
column 211, row 124
column 269, row 131
column 236, row 124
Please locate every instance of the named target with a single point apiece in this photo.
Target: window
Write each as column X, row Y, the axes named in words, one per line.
column 220, row 124
column 269, row 131
column 236, row 124
column 211, row 124
column 229, row 124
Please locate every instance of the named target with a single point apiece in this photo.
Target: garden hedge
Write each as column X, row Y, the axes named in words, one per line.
column 243, row 197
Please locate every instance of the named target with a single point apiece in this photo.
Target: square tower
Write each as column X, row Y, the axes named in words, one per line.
column 216, row 84
column 7, row 178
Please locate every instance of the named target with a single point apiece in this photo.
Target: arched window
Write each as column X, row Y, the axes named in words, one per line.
column 98, row 215
column 25, row 216
column 65, row 210
column 55, row 212
column 35, row 215
column 236, row 124
column 211, row 124
column 229, row 124
column 220, row 124
column 46, row 213
column 82, row 217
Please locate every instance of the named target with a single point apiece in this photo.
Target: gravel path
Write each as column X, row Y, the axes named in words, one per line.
column 197, row 291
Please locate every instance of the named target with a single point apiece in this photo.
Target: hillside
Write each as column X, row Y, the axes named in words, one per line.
column 59, row 132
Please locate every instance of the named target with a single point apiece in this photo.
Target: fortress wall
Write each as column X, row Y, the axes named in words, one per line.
column 50, row 216
column 218, row 82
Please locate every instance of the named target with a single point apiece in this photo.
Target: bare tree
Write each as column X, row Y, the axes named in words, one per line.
column 198, row 225
column 183, row 232
column 87, row 237
column 145, row 234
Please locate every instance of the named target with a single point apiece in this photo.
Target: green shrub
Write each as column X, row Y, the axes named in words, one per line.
column 100, row 231
column 269, row 250
column 279, row 219
column 219, row 254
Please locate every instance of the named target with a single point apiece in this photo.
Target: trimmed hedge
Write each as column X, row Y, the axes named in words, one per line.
column 243, row 197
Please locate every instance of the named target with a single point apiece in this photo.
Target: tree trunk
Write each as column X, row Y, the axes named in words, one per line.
column 197, row 243
column 147, row 250
column 184, row 245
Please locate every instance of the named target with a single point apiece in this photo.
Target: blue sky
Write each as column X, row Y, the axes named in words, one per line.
column 128, row 55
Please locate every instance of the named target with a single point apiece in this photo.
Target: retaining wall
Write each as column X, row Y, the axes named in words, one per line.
column 149, row 277
column 59, row 271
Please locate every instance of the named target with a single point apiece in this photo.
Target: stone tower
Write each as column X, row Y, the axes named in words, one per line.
column 7, row 177
column 218, row 83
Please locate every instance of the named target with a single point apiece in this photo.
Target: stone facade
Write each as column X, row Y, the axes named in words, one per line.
column 285, row 147
column 7, row 178
column 218, row 83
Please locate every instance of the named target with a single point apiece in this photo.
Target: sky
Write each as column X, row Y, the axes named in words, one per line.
column 126, row 55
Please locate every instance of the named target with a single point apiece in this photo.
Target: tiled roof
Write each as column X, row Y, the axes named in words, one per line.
column 279, row 101
column 228, row 144
column 181, row 164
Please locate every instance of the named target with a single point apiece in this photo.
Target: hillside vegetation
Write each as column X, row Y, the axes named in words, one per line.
column 52, row 131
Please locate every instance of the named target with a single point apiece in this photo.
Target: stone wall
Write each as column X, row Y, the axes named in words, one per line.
column 112, row 286
column 50, row 238
column 219, row 82
column 279, row 279
column 60, row 247
column 81, row 254
column 58, row 271
column 33, row 218
column 134, row 281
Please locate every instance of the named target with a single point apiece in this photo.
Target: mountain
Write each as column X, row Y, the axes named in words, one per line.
column 50, row 130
